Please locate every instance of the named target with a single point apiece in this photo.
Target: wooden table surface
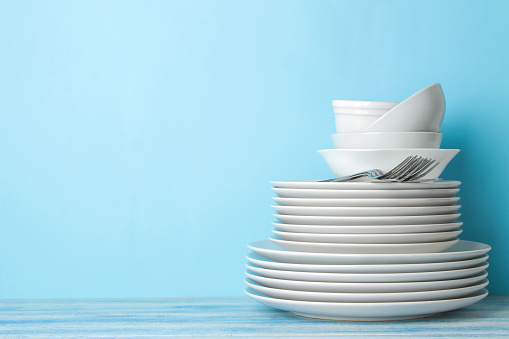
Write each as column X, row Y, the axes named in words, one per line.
column 228, row 317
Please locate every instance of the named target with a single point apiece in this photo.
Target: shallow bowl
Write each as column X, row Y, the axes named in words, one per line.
column 344, row 162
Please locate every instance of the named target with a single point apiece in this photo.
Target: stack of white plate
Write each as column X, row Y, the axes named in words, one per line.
column 366, row 251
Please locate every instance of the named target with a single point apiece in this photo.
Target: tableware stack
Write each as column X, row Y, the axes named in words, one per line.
column 371, row 250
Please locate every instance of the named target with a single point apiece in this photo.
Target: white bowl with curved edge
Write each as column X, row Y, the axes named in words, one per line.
column 344, row 162
column 363, row 104
column 355, row 122
column 422, row 112
column 383, row 140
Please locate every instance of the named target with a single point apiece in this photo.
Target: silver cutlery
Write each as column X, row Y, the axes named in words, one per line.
column 413, row 168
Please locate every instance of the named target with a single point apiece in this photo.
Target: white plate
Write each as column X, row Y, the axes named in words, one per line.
column 367, row 297
column 315, row 247
column 353, row 238
column 380, row 220
column 355, row 185
column 463, row 250
column 350, row 287
column 365, row 211
column 364, row 194
column 368, row 277
column 367, row 311
column 382, row 229
column 366, row 202
column 377, row 268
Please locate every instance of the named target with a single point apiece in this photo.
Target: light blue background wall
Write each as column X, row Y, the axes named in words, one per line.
column 138, row 138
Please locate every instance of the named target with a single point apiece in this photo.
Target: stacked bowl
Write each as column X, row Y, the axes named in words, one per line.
column 371, row 250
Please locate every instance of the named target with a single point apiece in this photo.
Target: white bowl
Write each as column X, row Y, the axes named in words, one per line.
column 363, row 104
column 422, row 112
column 355, row 121
column 381, row 140
column 349, row 161
column 356, row 116
column 369, row 111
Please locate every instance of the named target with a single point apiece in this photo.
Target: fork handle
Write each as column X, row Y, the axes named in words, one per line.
column 348, row 177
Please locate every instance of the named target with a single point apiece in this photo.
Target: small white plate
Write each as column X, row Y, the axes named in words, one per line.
column 380, row 220
column 463, row 250
column 368, row 277
column 367, row 297
column 364, row 194
column 316, row 247
column 362, row 287
column 355, row 185
column 376, row 229
column 377, row 268
column 367, row 311
column 365, row 211
column 366, row 202
column 352, row 238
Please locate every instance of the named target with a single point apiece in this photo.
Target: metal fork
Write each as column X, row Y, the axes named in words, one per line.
column 412, row 168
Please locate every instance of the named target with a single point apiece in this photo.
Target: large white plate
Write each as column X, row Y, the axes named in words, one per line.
column 315, row 247
column 379, row 220
column 365, row 211
column 353, row 238
column 356, row 287
column 369, row 277
column 376, row 268
column 367, row 297
column 366, row 202
column 367, row 311
column 356, row 185
column 463, row 250
column 364, row 194
column 330, row 229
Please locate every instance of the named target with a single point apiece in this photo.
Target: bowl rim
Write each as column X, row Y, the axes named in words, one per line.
column 336, row 135
column 400, row 150
column 363, row 104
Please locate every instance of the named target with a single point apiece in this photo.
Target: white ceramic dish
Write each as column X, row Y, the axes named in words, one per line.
column 367, row 311
column 316, row 247
column 463, row 250
column 367, row 297
column 375, row 229
column 364, row 104
column 349, row 161
column 382, row 220
column 377, row 268
column 359, row 185
column 368, row 277
column 359, row 287
column 366, row 202
column 364, row 194
column 422, row 112
column 360, row 111
column 377, row 238
column 355, row 120
column 377, row 140
column 365, row 211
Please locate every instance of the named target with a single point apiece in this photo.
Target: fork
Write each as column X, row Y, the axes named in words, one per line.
column 412, row 168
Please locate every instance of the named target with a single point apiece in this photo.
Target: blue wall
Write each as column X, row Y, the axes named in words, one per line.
column 138, row 138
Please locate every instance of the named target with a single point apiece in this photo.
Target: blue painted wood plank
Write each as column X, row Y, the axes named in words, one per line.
column 228, row 317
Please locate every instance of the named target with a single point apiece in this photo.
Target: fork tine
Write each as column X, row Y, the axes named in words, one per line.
column 417, row 170
column 427, row 171
column 396, row 174
column 401, row 165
